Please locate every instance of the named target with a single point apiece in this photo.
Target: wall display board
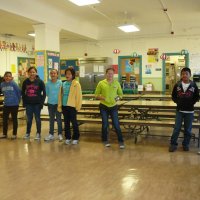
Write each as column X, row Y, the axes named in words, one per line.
column 53, row 62
column 64, row 64
column 130, row 71
column 45, row 61
column 40, row 63
column 23, row 64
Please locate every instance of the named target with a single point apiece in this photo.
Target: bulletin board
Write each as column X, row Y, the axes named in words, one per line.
column 53, row 62
column 128, row 66
column 65, row 63
column 23, row 63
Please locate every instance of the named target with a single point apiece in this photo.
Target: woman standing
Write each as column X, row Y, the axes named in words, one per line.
column 33, row 96
column 71, row 100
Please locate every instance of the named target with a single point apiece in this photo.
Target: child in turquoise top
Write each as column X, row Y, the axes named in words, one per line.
column 52, row 90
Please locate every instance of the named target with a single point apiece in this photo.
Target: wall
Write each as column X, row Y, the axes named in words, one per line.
column 8, row 57
column 105, row 48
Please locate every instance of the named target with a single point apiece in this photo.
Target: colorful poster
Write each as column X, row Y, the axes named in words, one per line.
column 128, row 67
column 153, row 54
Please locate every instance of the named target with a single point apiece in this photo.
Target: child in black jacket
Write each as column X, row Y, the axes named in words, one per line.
column 185, row 94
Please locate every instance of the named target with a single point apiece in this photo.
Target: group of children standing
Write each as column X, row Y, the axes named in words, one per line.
column 66, row 98
column 63, row 98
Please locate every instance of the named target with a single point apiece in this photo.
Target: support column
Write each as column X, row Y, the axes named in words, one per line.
column 47, row 49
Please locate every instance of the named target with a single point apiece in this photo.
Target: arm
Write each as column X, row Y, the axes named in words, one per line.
column 17, row 90
column 60, row 99
column 24, row 93
column 196, row 93
column 174, row 94
column 43, row 90
column 119, row 91
column 78, row 97
column 98, row 92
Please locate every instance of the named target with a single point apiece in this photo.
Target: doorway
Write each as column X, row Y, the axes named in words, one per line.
column 171, row 69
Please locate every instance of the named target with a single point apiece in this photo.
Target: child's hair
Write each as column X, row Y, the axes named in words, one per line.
column 30, row 68
column 7, row 72
column 110, row 68
column 54, row 70
column 186, row 69
column 72, row 72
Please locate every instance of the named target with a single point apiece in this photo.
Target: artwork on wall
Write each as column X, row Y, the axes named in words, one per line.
column 152, row 55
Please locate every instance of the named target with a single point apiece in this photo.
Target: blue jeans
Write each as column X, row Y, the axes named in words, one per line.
column 70, row 115
column 113, row 112
column 30, row 110
column 52, row 113
column 187, row 118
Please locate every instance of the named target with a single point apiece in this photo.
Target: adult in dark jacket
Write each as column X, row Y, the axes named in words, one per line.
column 185, row 94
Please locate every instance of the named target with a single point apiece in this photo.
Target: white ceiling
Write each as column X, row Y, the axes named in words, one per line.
column 182, row 18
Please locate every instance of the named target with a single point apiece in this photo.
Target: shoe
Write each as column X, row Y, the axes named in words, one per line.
column 186, row 148
column 121, row 146
column 37, row 137
column 13, row 137
column 107, row 144
column 27, row 136
column 3, row 136
column 49, row 137
column 60, row 137
column 67, row 141
column 172, row 148
column 198, row 153
column 75, row 142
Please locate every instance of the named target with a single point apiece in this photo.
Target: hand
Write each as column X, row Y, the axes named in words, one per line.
column 41, row 106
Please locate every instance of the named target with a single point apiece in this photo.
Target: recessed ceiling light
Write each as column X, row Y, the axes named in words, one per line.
column 84, row 2
column 32, row 34
column 129, row 28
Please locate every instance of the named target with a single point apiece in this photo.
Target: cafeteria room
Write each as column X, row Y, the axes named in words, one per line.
column 99, row 95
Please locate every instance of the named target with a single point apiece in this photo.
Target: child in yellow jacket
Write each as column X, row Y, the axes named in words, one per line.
column 69, row 102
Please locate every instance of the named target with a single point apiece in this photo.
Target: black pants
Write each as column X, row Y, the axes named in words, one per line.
column 70, row 115
column 6, row 112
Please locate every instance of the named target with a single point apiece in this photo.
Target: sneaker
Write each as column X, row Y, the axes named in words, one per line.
column 49, row 137
column 107, row 144
column 198, row 153
column 13, row 137
column 37, row 137
column 172, row 148
column 60, row 137
column 27, row 136
column 3, row 136
column 186, row 148
column 67, row 141
column 121, row 146
column 75, row 142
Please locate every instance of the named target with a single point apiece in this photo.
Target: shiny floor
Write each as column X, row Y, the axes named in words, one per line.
column 89, row 171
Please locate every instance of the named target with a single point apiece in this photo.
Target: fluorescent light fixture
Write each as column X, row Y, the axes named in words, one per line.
column 84, row 2
column 129, row 28
column 32, row 34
